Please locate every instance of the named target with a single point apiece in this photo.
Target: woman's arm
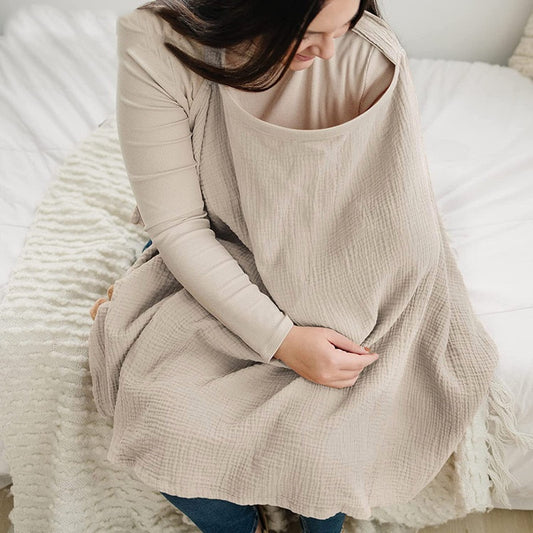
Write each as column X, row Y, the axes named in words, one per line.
column 152, row 104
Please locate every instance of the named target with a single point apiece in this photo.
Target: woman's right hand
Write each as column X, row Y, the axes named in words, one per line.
column 324, row 356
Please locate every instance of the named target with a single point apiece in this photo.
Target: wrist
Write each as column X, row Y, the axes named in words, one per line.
column 278, row 353
column 283, row 346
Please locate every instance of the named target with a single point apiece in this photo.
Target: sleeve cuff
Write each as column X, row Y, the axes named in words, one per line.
column 275, row 342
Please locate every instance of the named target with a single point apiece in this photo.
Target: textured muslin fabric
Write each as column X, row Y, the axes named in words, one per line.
column 340, row 228
column 154, row 100
column 90, row 204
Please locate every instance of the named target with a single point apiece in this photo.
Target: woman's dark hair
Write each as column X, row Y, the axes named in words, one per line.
column 277, row 25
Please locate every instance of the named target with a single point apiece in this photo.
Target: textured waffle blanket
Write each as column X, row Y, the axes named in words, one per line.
column 359, row 247
column 522, row 58
column 56, row 442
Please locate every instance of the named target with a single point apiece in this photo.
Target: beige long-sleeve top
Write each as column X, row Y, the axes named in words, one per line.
column 155, row 137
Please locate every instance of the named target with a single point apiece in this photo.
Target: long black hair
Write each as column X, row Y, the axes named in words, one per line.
column 275, row 26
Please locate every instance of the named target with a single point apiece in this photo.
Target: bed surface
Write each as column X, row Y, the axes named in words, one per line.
column 57, row 83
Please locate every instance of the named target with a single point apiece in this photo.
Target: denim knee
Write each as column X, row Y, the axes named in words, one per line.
column 217, row 516
column 333, row 524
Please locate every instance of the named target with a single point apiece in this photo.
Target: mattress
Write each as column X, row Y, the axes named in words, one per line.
column 57, row 83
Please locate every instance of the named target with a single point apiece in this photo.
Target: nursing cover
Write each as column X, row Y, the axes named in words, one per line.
column 340, row 227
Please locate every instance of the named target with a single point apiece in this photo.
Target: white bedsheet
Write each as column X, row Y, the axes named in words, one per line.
column 57, row 83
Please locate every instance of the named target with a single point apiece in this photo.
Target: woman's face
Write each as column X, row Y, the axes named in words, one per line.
column 331, row 22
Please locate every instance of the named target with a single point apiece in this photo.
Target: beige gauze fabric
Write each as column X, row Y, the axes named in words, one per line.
column 340, row 228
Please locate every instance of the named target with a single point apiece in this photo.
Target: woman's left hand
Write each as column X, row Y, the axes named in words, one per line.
column 96, row 305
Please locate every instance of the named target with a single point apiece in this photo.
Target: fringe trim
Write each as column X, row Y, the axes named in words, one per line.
column 502, row 429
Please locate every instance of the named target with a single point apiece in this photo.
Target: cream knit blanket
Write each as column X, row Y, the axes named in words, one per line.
column 522, row 57
column 81, row 241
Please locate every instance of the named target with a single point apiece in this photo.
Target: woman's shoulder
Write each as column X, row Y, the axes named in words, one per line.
column 152, row 29
column 360, row 56
column 378, row 32
column 142, row 34
column 139, row 18
column 143, row 22
column 360, row 63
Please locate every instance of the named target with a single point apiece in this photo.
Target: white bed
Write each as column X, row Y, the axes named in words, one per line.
column 57, row 84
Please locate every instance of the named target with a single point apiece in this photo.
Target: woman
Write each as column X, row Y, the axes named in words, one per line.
column 286, row 194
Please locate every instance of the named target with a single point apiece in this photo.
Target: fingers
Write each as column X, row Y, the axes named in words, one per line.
column 344, row 343
column 351, row 361
column 351, row 374
column 95, row 307
column 100, row 301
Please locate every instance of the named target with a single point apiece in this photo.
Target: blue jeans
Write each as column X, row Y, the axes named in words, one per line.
column 221, row 516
